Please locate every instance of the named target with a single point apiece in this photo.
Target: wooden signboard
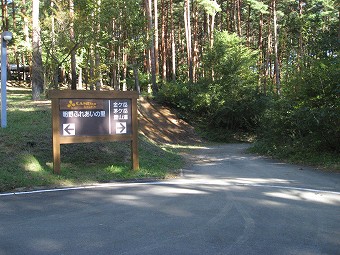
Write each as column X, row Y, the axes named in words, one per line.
column 80, row 116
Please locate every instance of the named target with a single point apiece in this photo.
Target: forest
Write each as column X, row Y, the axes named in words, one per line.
column 266, row 67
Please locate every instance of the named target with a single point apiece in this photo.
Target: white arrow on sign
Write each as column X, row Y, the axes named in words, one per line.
column 69, row 129
column 121, row 127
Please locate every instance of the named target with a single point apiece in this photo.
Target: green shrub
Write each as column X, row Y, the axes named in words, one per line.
column 174, row 94
column 228, row 99
column 309, row 115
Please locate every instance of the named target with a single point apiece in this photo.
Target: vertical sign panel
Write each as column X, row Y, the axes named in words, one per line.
column 121, row 118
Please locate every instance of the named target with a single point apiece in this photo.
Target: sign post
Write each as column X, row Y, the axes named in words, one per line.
column 93, row 116
column 5, row 37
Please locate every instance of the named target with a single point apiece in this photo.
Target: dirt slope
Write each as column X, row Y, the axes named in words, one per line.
column 161, row 125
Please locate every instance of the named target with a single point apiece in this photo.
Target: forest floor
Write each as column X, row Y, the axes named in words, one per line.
column 162, row 125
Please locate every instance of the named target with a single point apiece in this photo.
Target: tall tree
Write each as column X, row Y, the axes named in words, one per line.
column 195, row 42
column 239, row 15
column 55, row 66
column 148, row 7
column 187, row 24
column 276, row 54
column 156, row 37
column 164, row 39
column 73, row 51
column 97, row 29
column 4, row 8
column 25, row 58
column 37, row 65
column 172, row 39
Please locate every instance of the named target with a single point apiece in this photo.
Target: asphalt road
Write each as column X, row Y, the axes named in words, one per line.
column 226, row 202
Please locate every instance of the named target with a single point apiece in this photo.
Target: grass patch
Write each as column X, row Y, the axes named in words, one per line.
column 26, row 152
column 298, row 155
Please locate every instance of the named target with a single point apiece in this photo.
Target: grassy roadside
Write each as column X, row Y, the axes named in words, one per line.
column 26, row 152
column 294, row 154
column 322, row 160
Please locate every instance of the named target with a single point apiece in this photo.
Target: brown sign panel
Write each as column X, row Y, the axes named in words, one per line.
column 107, row 117
column 90, row 116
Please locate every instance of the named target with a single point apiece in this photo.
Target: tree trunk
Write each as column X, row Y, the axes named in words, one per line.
column 188, row 38
column 124, row 71
column 276, row 61
column 118, row 79
column 173, row 45
column 16, row 54
column 73, row 52
column 37, row 66
column 4, row 14
column 54, row 65
column 239, row 28
column 260, row 48
column 26, row 34
column 155, row 7
column 135, row 74
column 212, row 24
column 164, row 40
column 248, row 26
column 228, row 16
column 268, row 53
column 91, row 71
column 98, row 72
column 196, row 45
column 300, row 52
column 235, row 16
column 339, row 25
column 152, row 47
column 113, row 68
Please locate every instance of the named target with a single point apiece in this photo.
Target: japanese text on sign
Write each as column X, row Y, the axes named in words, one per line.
column 84, row 114
column 120, row 110
column 95, row 116
column 120, row 104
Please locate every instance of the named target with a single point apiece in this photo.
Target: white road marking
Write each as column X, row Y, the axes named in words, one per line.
column 172, row 182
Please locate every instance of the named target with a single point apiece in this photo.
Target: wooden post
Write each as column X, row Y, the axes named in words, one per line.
column 134, row 141
column 56, row 135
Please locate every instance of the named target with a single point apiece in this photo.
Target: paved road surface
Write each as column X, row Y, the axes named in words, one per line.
column 226, row 202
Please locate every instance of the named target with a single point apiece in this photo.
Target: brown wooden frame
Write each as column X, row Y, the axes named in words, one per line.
column 56, row 95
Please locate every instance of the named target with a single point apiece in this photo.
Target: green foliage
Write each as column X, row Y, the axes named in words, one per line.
column 176, row 95
column 229, row 99
column 303, row 125
column 258, row 6
column 211, row 7
column 309, row 115
column 230, row 60
column 234, row 102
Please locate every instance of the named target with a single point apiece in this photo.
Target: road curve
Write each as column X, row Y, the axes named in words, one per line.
column 225, row 202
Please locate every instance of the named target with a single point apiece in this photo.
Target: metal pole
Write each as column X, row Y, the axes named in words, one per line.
column 3, row 82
